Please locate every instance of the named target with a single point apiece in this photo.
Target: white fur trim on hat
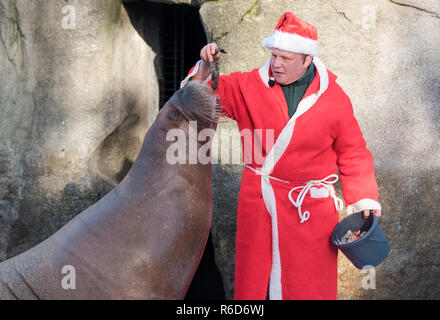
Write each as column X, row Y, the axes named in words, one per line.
column 291, row 42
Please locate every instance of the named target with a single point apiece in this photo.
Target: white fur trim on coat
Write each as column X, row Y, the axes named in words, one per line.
column 193, row 73
column 280, row 146
column 264, row 72
column 363, row 204
column 285, row 136
column 275, row 286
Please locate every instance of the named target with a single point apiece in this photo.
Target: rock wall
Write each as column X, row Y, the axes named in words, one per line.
column 77, row 95
column 385, row 54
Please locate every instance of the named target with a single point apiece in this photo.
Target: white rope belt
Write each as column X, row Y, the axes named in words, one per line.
column 327, row 183
column 264, row 174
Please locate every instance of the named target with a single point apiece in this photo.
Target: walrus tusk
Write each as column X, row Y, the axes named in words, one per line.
column 144, row 239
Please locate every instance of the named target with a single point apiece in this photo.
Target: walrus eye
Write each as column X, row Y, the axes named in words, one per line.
column 175, row 115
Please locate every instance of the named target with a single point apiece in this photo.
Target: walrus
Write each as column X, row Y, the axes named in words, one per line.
column 145, row 238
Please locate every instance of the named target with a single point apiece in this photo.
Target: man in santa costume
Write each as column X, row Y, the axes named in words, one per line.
column 287, row 206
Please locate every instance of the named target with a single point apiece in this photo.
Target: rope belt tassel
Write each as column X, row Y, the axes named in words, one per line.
column 326, row 183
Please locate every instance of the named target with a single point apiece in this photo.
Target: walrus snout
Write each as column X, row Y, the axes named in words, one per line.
column 196, row 103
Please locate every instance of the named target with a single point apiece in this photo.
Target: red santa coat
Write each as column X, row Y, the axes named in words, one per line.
column 287, row 207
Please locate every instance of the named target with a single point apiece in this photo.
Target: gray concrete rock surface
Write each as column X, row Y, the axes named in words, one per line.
column 77, row 94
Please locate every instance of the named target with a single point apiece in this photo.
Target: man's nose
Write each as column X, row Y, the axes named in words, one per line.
column 276, row 63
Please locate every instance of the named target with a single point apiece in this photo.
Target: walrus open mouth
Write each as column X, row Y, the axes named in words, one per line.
column 197, row 103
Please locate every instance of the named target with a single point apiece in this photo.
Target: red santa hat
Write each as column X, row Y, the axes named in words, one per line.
column 293, row 34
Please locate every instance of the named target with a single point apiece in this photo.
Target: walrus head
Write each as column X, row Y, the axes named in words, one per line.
column 194, row 102
column 183, row 131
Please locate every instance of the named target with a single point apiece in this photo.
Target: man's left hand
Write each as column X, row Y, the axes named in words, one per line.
column 377, row 212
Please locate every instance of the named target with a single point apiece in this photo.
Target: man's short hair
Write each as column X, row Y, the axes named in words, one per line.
column 304, row 57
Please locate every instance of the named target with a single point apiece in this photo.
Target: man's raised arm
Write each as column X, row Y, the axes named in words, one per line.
column 202, row 70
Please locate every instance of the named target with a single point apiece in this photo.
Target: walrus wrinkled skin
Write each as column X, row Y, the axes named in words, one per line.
column 145, row 238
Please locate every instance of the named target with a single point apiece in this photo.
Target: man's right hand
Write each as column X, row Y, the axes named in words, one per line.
column 208, row 51
column 207, row 56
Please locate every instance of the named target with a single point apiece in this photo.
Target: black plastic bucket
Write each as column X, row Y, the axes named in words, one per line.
column 369, row 250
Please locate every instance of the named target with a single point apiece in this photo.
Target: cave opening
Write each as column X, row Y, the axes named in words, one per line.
column 176, row 35
column 182, row 36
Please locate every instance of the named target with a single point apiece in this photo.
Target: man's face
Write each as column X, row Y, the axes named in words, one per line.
column 287, row 67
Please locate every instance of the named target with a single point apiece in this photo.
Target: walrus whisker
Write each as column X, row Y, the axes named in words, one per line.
column 184, row 115
column 28, row 285
column 196, row 102
column 203, row 104
column 10, row 290
column 92, row 271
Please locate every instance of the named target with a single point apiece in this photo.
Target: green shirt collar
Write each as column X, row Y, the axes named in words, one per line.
column 305, row 79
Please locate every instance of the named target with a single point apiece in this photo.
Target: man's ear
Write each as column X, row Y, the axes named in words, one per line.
column 308, row 61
